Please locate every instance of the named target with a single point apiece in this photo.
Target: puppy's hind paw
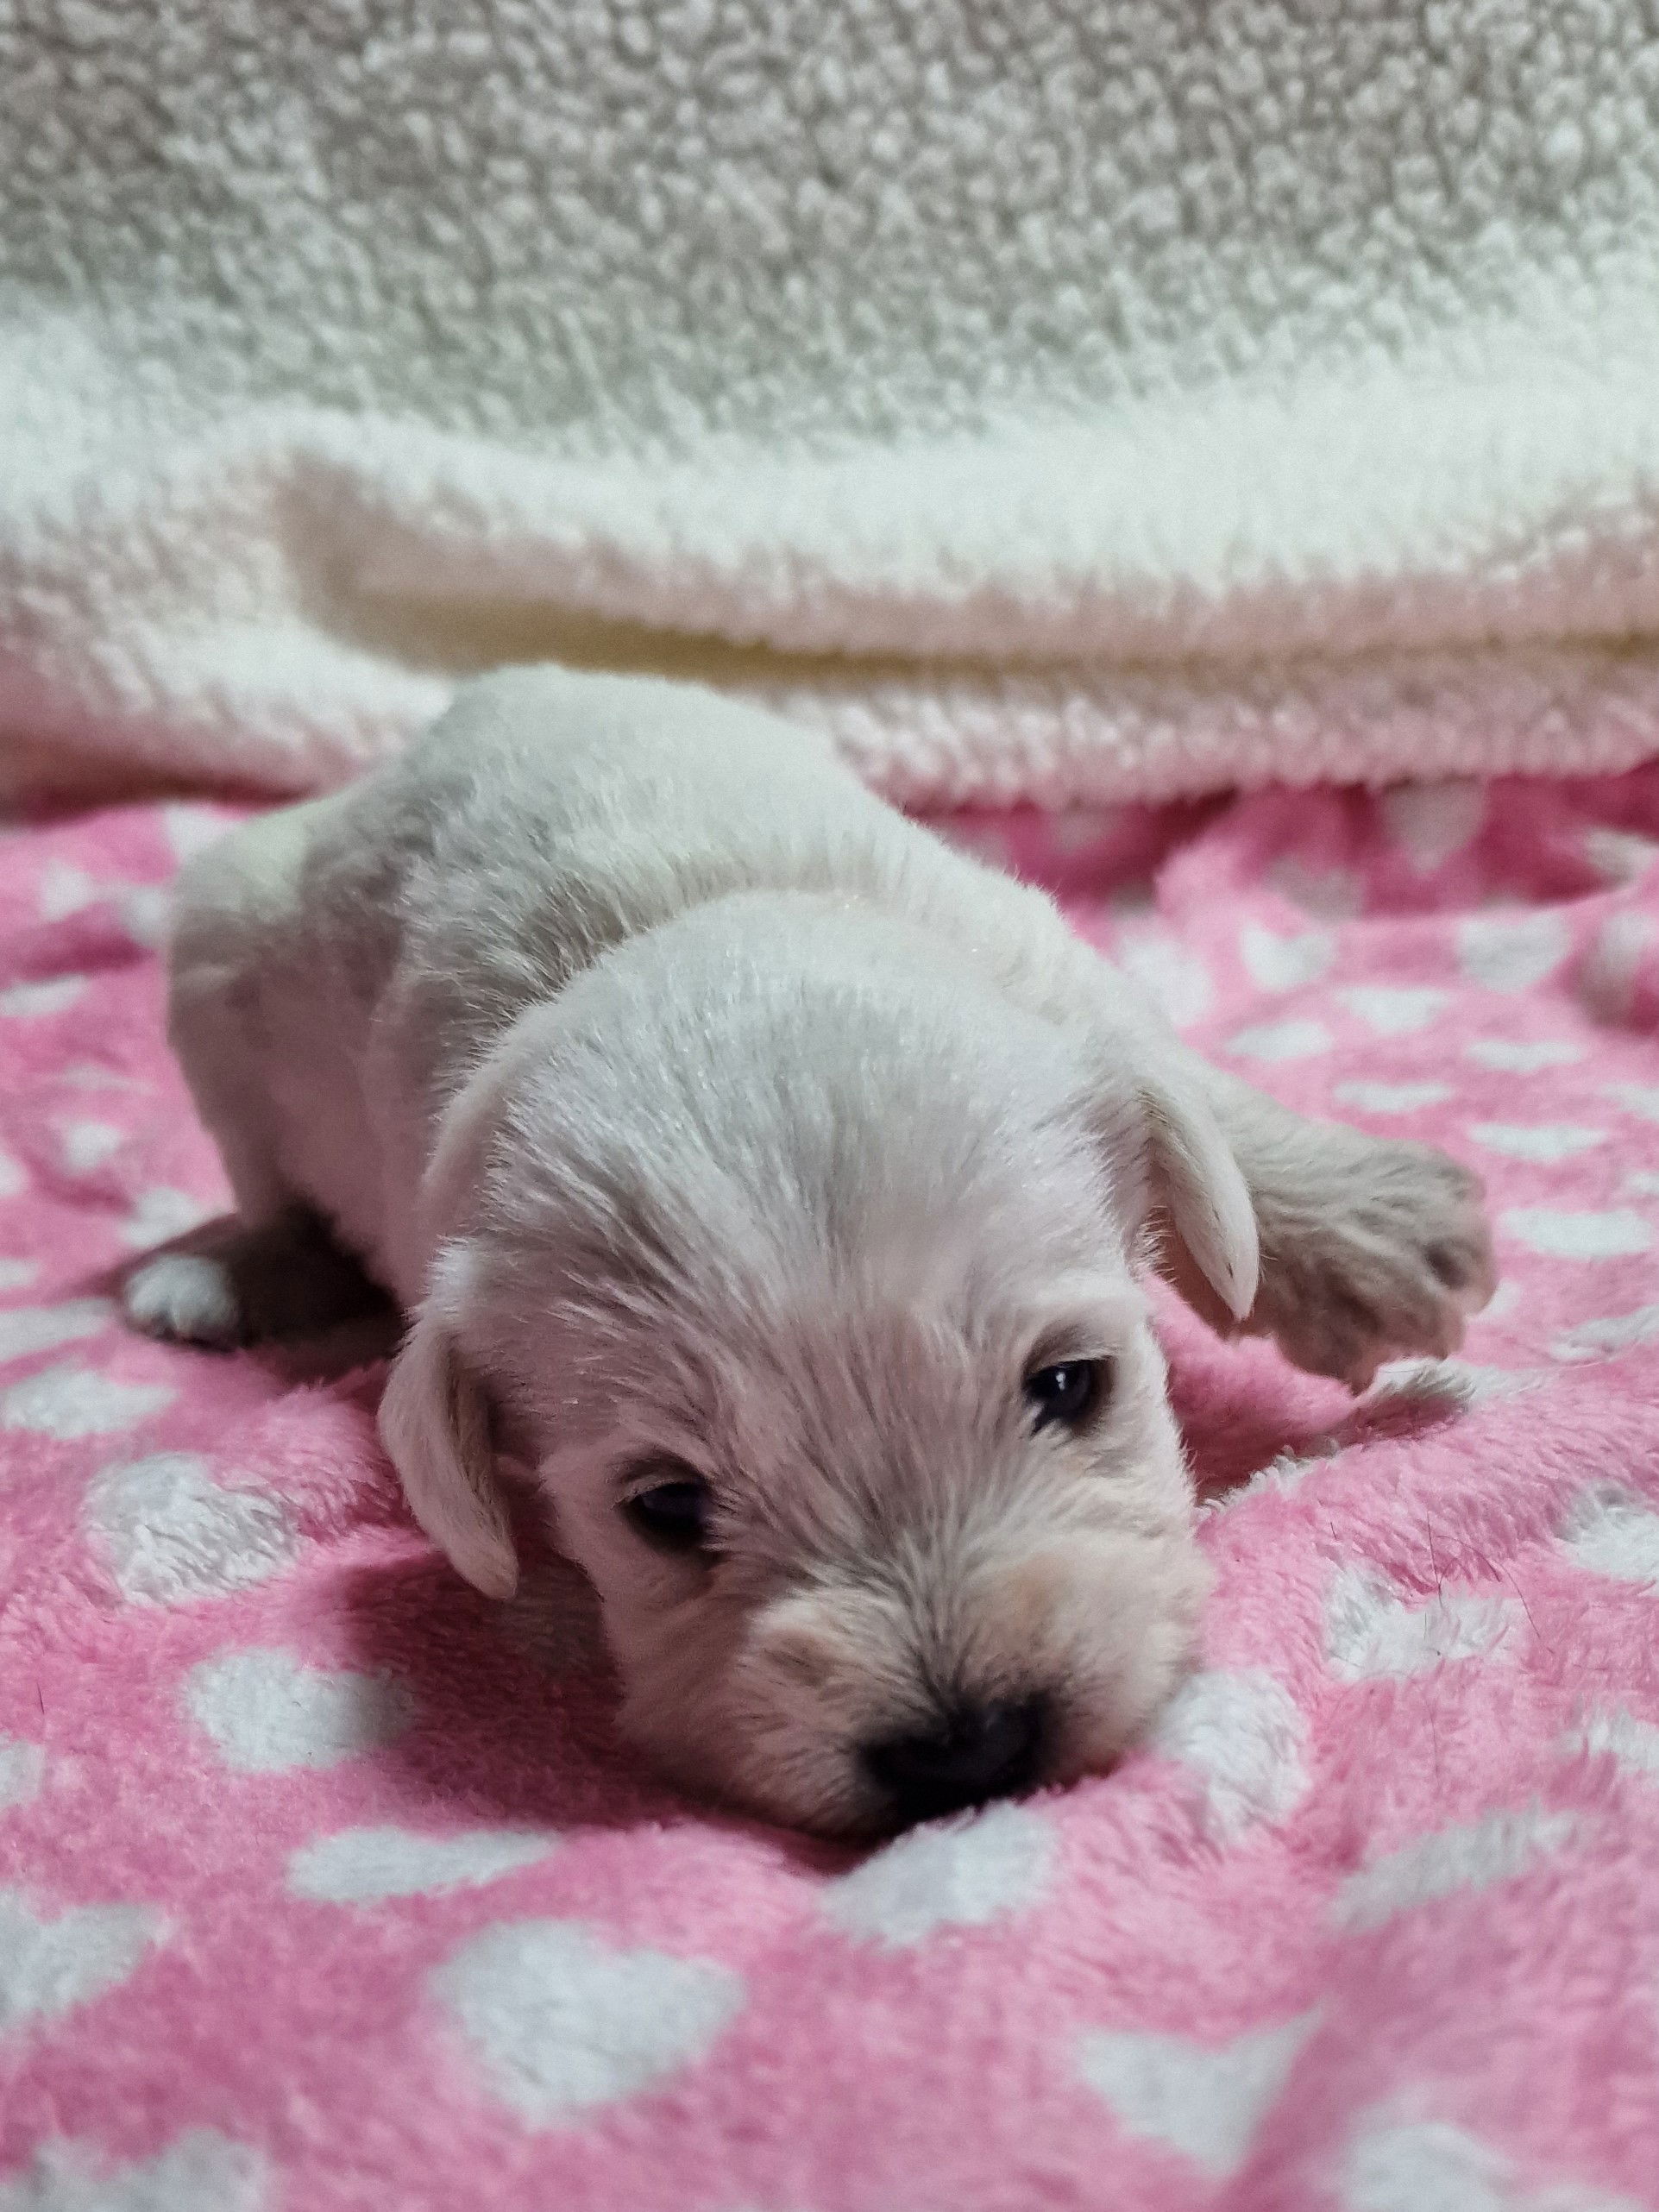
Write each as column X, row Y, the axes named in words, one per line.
column 187, row 1298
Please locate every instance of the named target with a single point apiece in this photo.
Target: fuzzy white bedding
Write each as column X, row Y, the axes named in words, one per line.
column 1055, row 400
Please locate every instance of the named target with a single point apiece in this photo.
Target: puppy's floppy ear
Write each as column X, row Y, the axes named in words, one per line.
column 1197, row 1186
column 435, row 1422
column 435, row 1417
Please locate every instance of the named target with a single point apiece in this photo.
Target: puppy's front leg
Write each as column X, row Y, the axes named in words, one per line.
column 231, row 1284
column 1370, row 1248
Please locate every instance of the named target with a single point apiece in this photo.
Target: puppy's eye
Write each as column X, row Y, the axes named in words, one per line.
column 1068, row 1393
column 672, row 1513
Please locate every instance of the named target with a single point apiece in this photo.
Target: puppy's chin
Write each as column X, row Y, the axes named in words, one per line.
column 772, row 1709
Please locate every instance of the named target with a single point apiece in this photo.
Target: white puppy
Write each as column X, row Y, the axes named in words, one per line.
column 776, row 1181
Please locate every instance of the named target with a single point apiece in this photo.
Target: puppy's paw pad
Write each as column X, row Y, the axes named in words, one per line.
column 188, row 1297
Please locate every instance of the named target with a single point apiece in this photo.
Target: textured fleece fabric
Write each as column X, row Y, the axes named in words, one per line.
column 1054, row 401
column 324, row 1887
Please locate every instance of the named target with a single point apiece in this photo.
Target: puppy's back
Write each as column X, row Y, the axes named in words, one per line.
column 339, row 966
column 548, row 816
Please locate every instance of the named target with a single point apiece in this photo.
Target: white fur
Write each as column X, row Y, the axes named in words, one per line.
column 695, row 1103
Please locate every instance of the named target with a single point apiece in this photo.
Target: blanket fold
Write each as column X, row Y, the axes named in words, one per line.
column 1054, row 403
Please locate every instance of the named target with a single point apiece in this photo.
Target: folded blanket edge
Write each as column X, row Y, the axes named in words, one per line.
column 928, row 737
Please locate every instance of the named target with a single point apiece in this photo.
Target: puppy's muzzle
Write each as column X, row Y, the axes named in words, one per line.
column 975, row 1751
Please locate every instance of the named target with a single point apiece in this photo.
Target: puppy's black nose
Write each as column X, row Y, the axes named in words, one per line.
column 975, row 1752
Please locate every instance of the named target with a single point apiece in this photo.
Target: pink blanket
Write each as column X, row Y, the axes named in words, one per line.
column 322, row 1884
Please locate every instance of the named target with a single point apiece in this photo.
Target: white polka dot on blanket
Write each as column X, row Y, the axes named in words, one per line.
column 68, row 1402
column 1561, row 1235
column 361, row 1866
column 1617, row 1734
column 1275, row 962
column 962, row 1876
column 1432, row 822
column 144, row 909
column 1394, row 1009
column 1641, row 1099
column 89, row 1075
column 1295, row 1039
column 201, row 2172
column 18, row 1274
column 63, row 891
column 1518, row 1058
column 24, row 1329
column 561, row 2021
column 1512, row 952
column 1544, row 1142
column 1609, row 1530
column 168, row 1532
column 266, row 1712
column 22, row 1768
column 85, row 1146
column 1243, row 1736
column 161, row 1214
column 141, row 908
column 52, row 1962
column 13, row 1181
column 1204, row 2100
column 36, row 1001
column 1171, row 975
column 1393, row 1097
column 1475, row 1856
column 1620, row 856
column 1373, row 1630
column 1503, row 1299
column 1403, row 2162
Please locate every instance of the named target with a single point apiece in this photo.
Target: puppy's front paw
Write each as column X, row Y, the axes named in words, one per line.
column 225, row 1285
column 1372, row 1250
column 189, row 1297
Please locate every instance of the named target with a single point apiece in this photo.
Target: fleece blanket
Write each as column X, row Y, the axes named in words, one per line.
column 1054, row 402
column 324, row 1886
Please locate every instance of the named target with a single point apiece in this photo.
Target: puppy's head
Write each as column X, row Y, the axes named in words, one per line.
column 806, row 1267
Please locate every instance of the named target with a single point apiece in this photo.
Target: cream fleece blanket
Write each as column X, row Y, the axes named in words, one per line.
column 1054, row 399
